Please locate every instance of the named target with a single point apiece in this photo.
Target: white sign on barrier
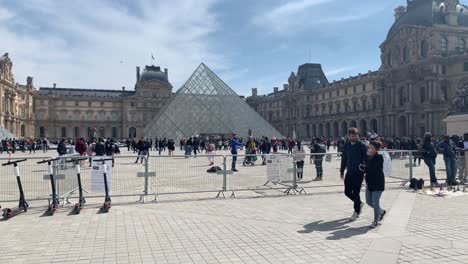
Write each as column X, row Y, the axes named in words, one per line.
column 273, row 168
column 387, row 163
column 97, row 176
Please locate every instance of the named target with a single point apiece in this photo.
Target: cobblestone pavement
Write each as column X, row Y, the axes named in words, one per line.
column 287, row 229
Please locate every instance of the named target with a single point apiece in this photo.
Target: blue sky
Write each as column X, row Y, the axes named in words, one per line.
column 98, row 44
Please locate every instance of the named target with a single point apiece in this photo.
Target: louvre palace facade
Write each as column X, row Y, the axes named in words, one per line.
column 56, row 112
column 424, row 60
column 16, row 101
column 73, row 112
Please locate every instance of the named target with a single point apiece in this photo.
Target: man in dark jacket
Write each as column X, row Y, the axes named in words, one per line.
column 429, row 155
column 447, row 148
column 62, row 148
column 353, row 161
column 318, row 151
column 100, row 149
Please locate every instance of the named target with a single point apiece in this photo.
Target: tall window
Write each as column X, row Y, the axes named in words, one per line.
column 64, row 132
column 406, row 54
column 389, row 58
column 424, row 48
column 76, row 132
column 422, row 94
column 444, row 45
column 41, row 131
column 114, row 132
column 461, row 46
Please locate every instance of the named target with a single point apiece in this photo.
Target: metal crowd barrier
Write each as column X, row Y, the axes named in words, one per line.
column 179, row 174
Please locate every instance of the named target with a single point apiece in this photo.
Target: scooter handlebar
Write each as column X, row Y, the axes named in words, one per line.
column 45, row 161
column 76, row 160
column 102, row 159
column 13, row 162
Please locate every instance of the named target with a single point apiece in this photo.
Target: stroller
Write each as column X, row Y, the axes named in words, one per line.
column 249, row 160
column 249, row 151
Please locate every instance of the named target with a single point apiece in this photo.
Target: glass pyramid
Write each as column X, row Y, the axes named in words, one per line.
column 206, row 106
column 5, row 134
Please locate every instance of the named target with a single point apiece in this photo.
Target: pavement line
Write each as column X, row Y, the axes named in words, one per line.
column 386, row 250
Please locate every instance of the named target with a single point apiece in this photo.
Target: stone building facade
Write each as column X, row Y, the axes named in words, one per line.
column 424, row 60
column 16, row 101
column 71, row 112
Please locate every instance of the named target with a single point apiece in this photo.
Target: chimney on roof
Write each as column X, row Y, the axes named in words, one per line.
column 285, row 87
column 55, row 85
column 138, row 73
column 166, row 72
column 29, row 81
column 451, row 13
column 275, row 89
column 123, row 88
column 399, row 11
column 254, row 91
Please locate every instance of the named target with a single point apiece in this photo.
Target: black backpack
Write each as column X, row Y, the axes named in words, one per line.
column 213, row 169
column 413, row 184
column 420, row 184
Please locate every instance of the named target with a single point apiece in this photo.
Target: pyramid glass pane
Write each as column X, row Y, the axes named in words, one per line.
column 205, row 105
column 6, row 134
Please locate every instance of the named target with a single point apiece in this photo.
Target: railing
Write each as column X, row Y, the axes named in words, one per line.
column 163, row 175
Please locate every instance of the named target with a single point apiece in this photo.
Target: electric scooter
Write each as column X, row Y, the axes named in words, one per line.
column 81, row 201
column 8, row 213
column 53, row 206
column 107, row 200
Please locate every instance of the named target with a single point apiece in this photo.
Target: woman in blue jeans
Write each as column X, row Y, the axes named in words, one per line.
column 375, row 181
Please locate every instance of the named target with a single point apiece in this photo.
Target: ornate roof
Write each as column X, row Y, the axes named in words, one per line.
column 426, row 13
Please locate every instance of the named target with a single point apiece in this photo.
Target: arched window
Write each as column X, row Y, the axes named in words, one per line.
column 461, row 46
column 64, row 132
column 77, row 132
column 424, row 48
column 444, row 45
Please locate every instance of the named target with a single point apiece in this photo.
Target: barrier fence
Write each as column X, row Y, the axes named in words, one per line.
column 160, row 175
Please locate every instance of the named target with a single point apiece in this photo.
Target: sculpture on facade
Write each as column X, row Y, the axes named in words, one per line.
column 460, row 101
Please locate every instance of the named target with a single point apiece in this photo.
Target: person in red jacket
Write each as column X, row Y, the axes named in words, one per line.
column 81, row 147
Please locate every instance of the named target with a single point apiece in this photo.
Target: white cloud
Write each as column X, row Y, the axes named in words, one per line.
column 81, row 43
column 339, row 71
column 299, row 15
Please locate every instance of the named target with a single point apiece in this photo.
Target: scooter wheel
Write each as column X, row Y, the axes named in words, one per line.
column 50, row 211
column 76, row 209
column 6, row 213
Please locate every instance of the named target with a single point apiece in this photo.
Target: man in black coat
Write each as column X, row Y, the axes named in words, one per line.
column 353, row 161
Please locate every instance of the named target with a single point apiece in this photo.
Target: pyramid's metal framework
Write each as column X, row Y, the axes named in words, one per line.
column 5, row 134
column 205, row 105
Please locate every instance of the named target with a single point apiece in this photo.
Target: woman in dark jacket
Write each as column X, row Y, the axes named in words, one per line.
column 375, row 181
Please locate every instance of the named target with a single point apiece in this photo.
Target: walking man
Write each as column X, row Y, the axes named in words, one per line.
column 354, row 162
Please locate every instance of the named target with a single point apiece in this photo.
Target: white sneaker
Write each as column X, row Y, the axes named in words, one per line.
column 374, row 225
column 354, row 217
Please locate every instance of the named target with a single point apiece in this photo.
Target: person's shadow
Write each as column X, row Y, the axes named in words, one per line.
column 339, row 229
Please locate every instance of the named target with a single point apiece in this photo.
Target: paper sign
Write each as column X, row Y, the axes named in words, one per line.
column 97, row 176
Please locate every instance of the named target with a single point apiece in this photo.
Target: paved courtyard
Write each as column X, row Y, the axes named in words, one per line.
column 258, row 226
